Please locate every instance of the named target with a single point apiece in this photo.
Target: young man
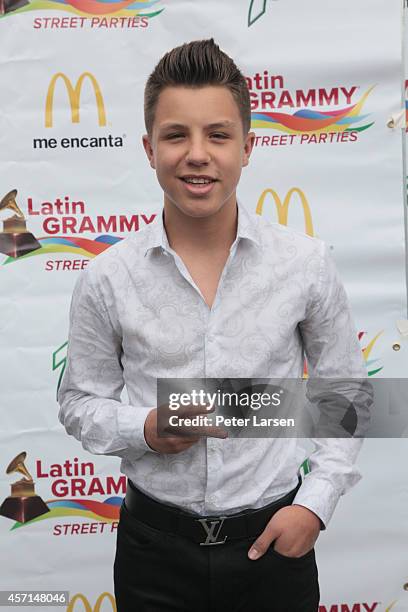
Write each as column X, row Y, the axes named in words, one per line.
column 209, row 523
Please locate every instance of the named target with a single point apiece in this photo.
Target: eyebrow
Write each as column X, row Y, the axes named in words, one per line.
column 210, row 126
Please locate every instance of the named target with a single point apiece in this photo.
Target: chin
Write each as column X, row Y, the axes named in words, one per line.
column 198, row 213
column 198, row 209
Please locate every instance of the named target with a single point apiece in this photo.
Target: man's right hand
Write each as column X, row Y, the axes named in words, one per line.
column 186, row 436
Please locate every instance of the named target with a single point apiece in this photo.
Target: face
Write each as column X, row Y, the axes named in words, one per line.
column 198, row 148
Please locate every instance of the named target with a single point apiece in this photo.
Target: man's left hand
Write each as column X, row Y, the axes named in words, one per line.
column 294, row 529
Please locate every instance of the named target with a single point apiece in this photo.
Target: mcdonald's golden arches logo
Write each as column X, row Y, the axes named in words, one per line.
column 283, row 208
column 85, row 606
column 74, row 95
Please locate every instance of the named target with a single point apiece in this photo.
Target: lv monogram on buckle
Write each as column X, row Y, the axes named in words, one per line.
column 210, row 527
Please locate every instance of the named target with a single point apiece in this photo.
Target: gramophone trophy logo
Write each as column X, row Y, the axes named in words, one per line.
column 15, row 240
column 23, row 505
column 8, row 6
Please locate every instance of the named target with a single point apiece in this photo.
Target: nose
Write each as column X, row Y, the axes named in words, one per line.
column 197, row 153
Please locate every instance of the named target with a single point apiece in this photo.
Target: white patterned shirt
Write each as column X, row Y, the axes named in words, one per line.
column 137, row 315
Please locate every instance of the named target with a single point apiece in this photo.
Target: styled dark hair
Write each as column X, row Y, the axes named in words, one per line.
column 196, row 64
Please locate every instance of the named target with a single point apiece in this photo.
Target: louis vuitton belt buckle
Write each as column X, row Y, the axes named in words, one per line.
column 212, row 527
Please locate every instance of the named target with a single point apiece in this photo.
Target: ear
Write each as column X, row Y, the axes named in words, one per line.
column 149, row 149
column 248, row 146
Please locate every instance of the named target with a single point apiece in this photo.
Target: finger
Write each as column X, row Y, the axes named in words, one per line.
column 262, row 543
column 186, row 411
column 183, row 445
column 181, row 439
column 216, row 432
column 213, row 432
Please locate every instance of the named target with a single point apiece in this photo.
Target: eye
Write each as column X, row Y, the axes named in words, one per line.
column 174, row 136
column 219, row 135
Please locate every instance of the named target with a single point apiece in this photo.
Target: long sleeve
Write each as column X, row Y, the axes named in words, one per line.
column 89, row 396
column 333, row 351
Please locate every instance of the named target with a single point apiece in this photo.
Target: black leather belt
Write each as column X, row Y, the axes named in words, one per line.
column 205, row 530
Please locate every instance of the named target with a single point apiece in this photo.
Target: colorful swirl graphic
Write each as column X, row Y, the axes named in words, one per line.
column 78, row 246
column 125, row 8
column 107, row 511
column 366, row 353
column 406, row 115
column 309, row 121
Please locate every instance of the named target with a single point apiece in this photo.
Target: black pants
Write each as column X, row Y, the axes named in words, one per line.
column 159, row 572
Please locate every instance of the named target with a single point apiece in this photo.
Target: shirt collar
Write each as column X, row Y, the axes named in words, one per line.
column 247, row 229
column 248, row 225
column 156, row 236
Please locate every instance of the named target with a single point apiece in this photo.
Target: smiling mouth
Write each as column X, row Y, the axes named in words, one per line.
column 196, row 180
column 198, row 187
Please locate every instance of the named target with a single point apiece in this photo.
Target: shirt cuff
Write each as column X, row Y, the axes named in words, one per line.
column 319, row 496
column 131, row 428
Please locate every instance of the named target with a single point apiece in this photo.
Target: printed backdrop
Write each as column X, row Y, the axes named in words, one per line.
column 326, row 81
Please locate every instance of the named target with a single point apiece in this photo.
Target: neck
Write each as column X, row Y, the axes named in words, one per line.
column 206, row 234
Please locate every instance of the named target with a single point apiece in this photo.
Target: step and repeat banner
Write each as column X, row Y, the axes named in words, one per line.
column 326, row 82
